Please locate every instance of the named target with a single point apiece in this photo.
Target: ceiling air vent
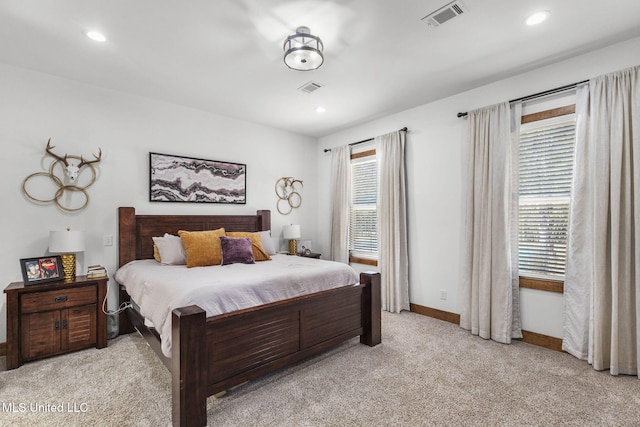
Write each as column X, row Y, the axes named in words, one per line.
column 310, row 87
column 444, row 14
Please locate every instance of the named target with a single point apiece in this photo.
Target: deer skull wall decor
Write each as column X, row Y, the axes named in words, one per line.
column 67, row 186
column 71, row 169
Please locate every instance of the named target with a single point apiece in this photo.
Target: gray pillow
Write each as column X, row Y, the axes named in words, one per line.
column 267, row 242
column 170, row 249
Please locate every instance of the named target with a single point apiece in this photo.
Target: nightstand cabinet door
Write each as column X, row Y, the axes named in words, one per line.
column 52, row 332
column 40, row 334
column 80, row 329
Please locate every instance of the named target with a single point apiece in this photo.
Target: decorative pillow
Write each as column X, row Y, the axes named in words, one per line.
column 267, row 243
column 259, row 254
column 156, row 253
column 170, row 250
column 202, row 248
column 236, row 250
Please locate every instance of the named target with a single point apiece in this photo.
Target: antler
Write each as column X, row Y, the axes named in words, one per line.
column 289, row 181
column 51, row 147
column 86, row 162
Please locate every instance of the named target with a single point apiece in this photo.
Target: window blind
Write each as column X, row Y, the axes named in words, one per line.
column 363, row 233
column 546, row 168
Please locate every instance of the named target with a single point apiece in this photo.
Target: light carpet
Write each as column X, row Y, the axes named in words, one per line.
column 425, row 372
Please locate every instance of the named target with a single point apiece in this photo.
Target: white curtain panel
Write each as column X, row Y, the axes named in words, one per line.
column 580, row 245
column 340, row 203
column 605, row 243
column 489, row 298
column 393, row 260
column 514, row 207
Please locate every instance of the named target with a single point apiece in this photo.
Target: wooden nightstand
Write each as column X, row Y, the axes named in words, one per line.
column 311, row 255
column 54, row 318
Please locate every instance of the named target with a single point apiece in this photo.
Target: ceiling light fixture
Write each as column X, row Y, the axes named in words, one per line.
column 96, row 36
column 320, row 109
column 303, row 51
column 537, row 17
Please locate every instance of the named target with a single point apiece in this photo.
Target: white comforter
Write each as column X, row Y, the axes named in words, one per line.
column 158, row 288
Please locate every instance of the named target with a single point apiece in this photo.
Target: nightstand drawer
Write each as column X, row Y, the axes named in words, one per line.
column 56, row 299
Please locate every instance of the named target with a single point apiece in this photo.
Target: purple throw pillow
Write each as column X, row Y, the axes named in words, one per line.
column 236, row 250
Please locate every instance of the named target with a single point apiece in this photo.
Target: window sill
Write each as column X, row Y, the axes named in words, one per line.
column 365, row 261
column 547, row 285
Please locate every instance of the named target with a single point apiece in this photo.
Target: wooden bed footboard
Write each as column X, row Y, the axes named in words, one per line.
column 212, row 354
column 249, row 343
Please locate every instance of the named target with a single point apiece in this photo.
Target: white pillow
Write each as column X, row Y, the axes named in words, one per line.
column 171, row 249
column 267, row 243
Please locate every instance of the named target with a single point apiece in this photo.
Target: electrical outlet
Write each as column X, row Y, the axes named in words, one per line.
column 107, row 240
column 443, row 294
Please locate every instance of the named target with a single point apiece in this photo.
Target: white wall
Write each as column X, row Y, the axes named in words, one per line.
column 80, row 118
column 434, row 161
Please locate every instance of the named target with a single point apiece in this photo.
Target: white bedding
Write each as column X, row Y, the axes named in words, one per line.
column 158, row 288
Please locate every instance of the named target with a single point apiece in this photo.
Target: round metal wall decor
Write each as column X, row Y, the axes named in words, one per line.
column 288, row 192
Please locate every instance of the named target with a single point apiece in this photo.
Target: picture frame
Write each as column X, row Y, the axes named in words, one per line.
column 304, row 245
column 41, row 269
column 186, row 179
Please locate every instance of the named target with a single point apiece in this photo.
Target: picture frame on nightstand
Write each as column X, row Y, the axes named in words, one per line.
column 41, row 269
column 304, row 246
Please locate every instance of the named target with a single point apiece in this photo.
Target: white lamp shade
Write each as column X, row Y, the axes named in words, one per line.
column 66, row 241
column 291, row 232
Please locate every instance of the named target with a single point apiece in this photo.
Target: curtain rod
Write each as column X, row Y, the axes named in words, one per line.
column 540, row 94
column 404, row 129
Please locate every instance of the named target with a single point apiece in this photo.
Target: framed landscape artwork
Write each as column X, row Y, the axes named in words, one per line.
column 186, row 179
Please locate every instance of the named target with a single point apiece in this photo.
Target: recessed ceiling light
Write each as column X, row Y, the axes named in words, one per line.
column 537, row 17
column 320, row 110
column 96, row 36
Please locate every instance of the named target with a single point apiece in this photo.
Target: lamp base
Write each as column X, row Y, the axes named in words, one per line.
column 293, row 247
column 69, row 266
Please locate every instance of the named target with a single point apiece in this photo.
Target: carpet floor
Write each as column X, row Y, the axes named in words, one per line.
column 425, row 372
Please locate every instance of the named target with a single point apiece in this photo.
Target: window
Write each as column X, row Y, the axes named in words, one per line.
column 363, row 232
column 546, row 168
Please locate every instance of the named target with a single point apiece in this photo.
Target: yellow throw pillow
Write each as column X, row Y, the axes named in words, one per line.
column 202, row 248
column 156, row 253
column 259, row 254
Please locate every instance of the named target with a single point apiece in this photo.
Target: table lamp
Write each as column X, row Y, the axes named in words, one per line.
column 67, row 243
column 292, row 233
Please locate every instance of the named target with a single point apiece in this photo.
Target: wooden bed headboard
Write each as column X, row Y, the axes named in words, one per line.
column 135, row 231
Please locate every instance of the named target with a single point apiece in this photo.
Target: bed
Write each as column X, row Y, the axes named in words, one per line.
column 211, row 354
